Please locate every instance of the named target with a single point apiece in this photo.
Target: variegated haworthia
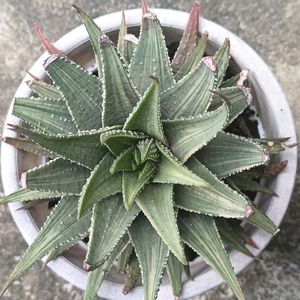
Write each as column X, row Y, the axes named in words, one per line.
column 141, row 158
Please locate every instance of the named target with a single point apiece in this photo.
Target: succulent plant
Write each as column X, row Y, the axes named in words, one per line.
column 142, row 158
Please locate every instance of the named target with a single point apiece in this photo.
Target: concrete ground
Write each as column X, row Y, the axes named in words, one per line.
column 272, row 27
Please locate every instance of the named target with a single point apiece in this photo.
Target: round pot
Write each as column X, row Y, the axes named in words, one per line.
column 276, row 121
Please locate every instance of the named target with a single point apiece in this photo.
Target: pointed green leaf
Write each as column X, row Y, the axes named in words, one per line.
column 95, row 278
column 228, row 154
column 152, row 254
column 237, row 80
column 29, row 146
column 188, row 135
column 147, row 150
column 191, row 95
column 57, row 176
column 27, row 195
column 201, row 234
column 124, row 258
column 124, row 161
column 222, row 57
column 156, row 202
column 81, row 91
column 134, row 182
column 119, row 140
column 119, row 93
column 170, row 170
column 94, row 33
column 133, row 274
column 244, row 183
column 49, row 116
column 189, row 39
column 151, row 57
column 260, row 220
column 242, row 233
column 130, row 43
column 146, row 115
column 61, row 223
column 230, row 238
column 122, row 34
column 274, row 146
column 109, row 224
column 216, row 199
column 45, row 90
column 237, row 99
column 194, row 59
column 174, row 269
column 100, row 184
column 83, row 148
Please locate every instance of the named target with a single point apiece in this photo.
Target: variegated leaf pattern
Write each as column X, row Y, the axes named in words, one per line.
column 142, row 162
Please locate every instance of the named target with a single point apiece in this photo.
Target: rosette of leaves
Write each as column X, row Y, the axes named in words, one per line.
column 140, row 158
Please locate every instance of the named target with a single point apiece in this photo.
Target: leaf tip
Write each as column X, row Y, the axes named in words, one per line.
column 210, row 63
column 23, row 180
column 87, row 267
column 45, row 42
column 78, row 10
column 104, row 40
column 144, row 6
column 248, row 94
column 276, row 232
column 248, row 211
column 4, row 289
column 243, row 76
column 150, row 16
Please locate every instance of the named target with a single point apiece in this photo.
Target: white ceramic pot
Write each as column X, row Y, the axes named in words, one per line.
column 275, row 117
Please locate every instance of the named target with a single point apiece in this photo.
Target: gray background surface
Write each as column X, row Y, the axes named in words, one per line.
column 272, row 27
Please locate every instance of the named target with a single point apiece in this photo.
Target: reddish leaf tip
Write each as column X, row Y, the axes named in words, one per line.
column 45, row 42
column 23, row 180
column 248, row 211
column 144, row 6
column 193, row 22
column 210, row 63
column 251, row 243
column 150, row 16
column 243, row 77
column 87, row 267
column 248, row 94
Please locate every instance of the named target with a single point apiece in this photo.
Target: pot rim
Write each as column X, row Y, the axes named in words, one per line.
column 272, row 92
